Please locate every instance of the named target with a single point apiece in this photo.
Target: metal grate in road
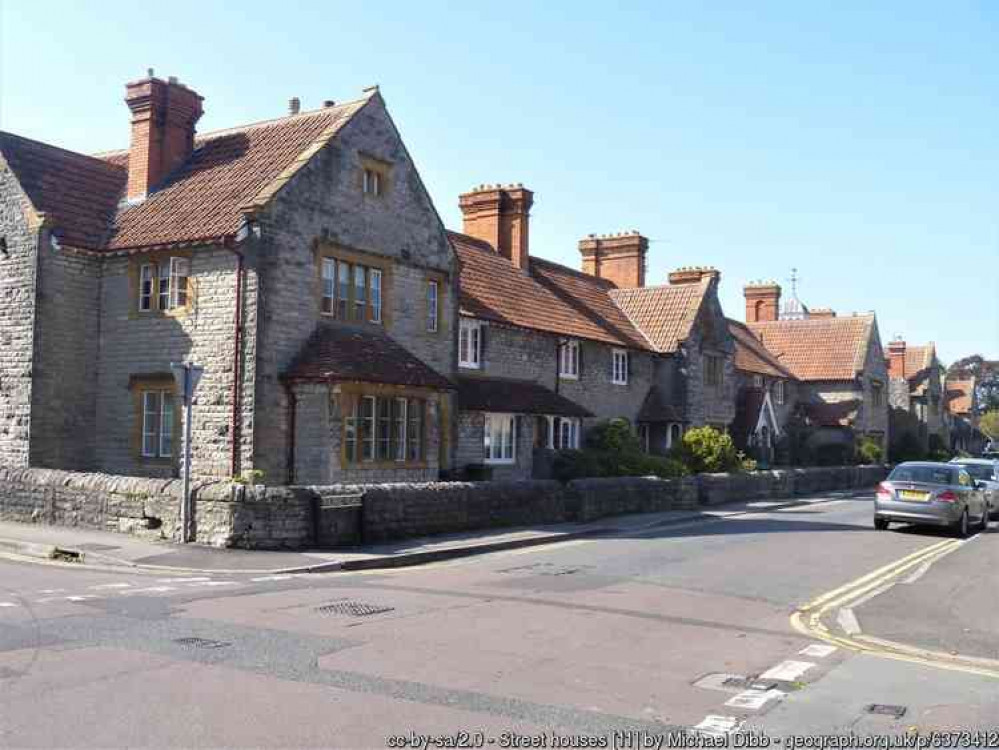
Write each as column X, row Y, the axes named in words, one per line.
column 351, row 608
column 884, row 709
column 194, row 642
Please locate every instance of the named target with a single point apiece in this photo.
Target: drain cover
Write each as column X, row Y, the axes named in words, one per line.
column 884, row 709
column 352, row 608
column 200, row 643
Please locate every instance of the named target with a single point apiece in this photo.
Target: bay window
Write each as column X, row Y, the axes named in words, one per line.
column 379, row 429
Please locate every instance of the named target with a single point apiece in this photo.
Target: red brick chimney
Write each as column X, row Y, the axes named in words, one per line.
column 896, row 358
column 500, row 215
column 762, row 301
column 164, row 114
column 693, row 275
column 619, row 258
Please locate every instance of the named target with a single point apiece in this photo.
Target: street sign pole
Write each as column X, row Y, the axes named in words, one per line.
column 187, row 376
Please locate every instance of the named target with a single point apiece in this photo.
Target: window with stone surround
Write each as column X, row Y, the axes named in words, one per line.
column 619, row 367
column 713, row 370
column 433, row 305
column 877, row 393
column 374, row 176
column 500, row 439
column 383, row 430
column 352, row 289
column 162, row 283
column 779, row 394
column 156, row 430
column 470, row 344
column 568, row 359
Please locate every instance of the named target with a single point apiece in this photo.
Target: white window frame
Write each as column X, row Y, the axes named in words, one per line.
column 569, row 429
column 779, row 392
column 470, row 344
column 499, row 427
column 433, row 305
column 180, row 275
column 669, row 433
column 147, row 275
column 375, row 294
column 568, row 360
column 619, row 367
column 328, row 305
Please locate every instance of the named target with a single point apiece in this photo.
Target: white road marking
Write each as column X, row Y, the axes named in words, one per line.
column 788, row 671
column 272, row 578
column 718, row 725
column 8, row 604
column 848, row 621
column 79, row 598
column 182, row 580
column 150, row 590
column 102, row 586
column 754, row 699
column 818, row 650
column 919, row 572
column 215, row 583
column 50, row 591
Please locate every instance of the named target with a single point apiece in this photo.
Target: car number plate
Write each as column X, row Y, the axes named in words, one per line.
column 913, row 495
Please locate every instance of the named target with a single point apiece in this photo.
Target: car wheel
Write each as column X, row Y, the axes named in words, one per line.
column 880, row 524
column 961, row 529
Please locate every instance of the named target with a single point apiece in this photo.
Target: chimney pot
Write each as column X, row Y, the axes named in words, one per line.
column 500, row 216
column 294, row 105
column 329, row 103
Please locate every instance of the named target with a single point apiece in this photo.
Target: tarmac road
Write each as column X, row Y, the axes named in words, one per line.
column 634, row 631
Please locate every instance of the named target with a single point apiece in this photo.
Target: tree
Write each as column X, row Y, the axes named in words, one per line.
column 986, row 375
column 989, row 424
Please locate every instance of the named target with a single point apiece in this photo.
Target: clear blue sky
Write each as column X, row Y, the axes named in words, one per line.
column 859, row 144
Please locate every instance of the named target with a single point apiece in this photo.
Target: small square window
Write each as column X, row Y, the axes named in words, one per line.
column 374, row 182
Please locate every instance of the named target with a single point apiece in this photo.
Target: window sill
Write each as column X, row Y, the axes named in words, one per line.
column 564, row 376
column 469, row 366
column 619, row 382
column 383, row 465
column 499, row 461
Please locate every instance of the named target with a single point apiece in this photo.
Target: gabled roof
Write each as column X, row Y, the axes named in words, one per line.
column 516, row 397
column 550, row 298
column 657, row 407
column 665, row 314
column 751, row 356
column 960, row 395
column 918, row 359
column 819, row 348
column 229, row 173
column 79, row 194
column 341, row 353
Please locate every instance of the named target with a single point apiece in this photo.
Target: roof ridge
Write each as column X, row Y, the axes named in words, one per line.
column 88, row 157
column 582, row 274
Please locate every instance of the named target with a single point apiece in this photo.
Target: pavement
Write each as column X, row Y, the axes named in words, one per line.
column 93, row 547
column 672, row 623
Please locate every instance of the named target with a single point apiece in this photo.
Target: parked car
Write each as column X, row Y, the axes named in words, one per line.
column 984, row 470
column 931, row 494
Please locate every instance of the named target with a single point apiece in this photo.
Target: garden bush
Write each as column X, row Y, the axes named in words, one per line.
column 705, row 449
column 869, row 451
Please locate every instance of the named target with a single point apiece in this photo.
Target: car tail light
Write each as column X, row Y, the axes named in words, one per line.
column 884, row 491
column 947, row 496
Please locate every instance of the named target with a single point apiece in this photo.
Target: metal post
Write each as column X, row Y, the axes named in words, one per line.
column 187, row 376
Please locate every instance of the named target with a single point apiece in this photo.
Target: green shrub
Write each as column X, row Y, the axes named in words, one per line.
column 705, row 449
column 869, row 451
column 612, row 450
column 253, row 476
column 745, row 462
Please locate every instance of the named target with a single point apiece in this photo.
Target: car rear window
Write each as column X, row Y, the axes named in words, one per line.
column 925, row 474
column 978, row 471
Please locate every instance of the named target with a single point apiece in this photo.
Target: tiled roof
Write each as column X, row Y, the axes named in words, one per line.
column 819, row 348
column 229, row 172
column 918, row 359
column 340, row 353
column 657, row 408
column 79, row 194
column 514, row 397
column 666, row 314
column 960, row 395
column 835, row 414
column 550, row 298
column 751, row 356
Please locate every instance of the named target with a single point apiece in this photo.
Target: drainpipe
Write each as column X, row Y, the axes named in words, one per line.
column 237, row 337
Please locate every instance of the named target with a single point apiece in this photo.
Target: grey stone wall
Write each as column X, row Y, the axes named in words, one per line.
column 67, row 333
column 705, row 404
column 715, row 489
column 134, row 344
column 324, row 203
column 17, row 321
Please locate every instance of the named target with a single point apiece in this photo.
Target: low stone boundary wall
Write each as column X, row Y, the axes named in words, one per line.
column 230, row 515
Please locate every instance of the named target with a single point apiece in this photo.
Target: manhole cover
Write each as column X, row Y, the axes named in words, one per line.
column 352, row 609
column 884, row 709
column 200, row 643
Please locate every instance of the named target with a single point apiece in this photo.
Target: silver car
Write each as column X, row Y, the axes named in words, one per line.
column 985, row 470
column 934, row 494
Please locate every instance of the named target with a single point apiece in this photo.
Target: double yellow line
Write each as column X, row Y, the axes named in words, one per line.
column 808, row 619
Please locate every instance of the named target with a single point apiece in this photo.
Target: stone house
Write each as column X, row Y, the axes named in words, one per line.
column 916, row 394
column 299, row 260
column 962, row 412
column 842, row 378
column 766, row 397
column 546, row 351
